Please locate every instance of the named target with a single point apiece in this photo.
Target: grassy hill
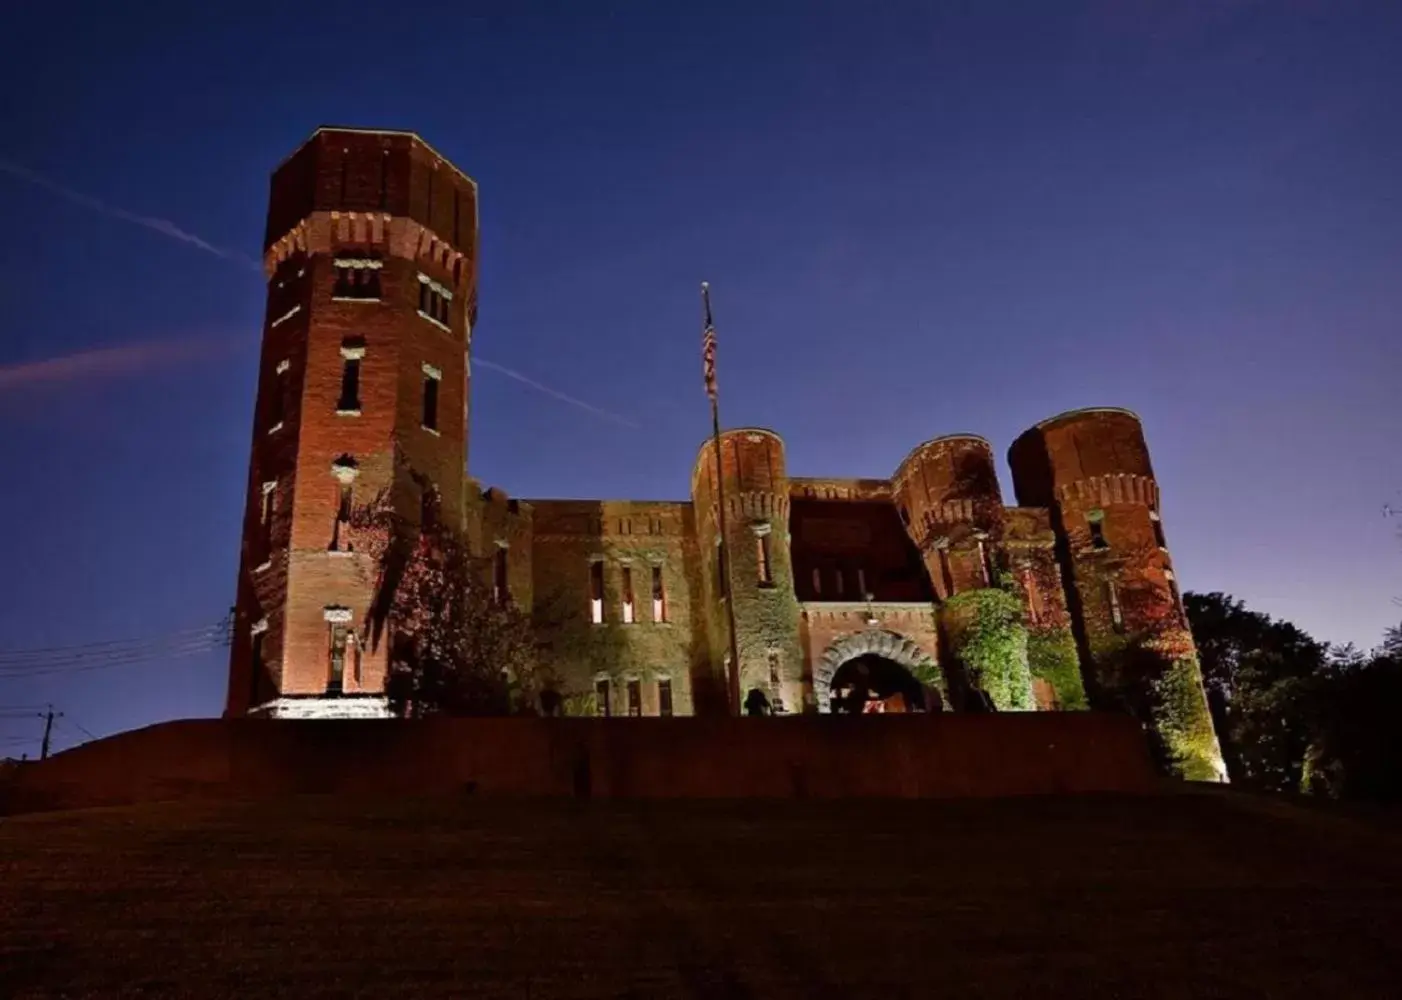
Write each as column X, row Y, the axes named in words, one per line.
column 1197, row 894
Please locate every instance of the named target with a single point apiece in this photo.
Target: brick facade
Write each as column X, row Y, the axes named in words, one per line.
column 630, row 599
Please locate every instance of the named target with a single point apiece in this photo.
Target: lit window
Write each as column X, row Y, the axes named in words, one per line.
column 601, row 697
column 635, row 697
column 500, row 592
column 351, row 356
column 628, row 609
column 659, row 596
column 265, row 517
column 357, row 278
column 1157, row 522
column 596, row 592
column 841, row 585
column 336, row 681
column 664, row 696
column 766, row 568
column 1034, row 596
column 862, row 583
column 986, row 564
column 1117, row 618
column 1096, row 520
column 432, row 377
column 817, row 581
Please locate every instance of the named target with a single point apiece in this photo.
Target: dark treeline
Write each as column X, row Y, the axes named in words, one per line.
column 1295, row 714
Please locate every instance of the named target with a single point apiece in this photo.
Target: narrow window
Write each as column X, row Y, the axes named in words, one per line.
column 840, row 586
column 659, row 596
column 424, row 297
column 628, row 608
column 343, row 504
column 338, row 658
column 1034, row 596
column 635, row 697
column 985, row 558
column 277, row 406
column 500, row 590
column 862, row 584
column 664, row 696
column 946, row 574
column 596, row 592
column 1117, row 618
column 266, row 518
column 817, row 582
column 601, row 697
column 1158, row 529
column 1096, row 520
column 766, row 568
column 350, row 386
column 430, row 415
column 428, row 508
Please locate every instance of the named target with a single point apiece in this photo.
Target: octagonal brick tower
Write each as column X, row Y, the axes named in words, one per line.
column 1091, row 468
column 946, row 491
column 370, row 255
column 757, row 527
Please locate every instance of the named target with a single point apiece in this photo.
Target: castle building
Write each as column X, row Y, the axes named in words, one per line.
column 919, row 592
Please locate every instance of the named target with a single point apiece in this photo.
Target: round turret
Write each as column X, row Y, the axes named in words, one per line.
column 760, row 571
column 1091, row 469
column 1077, row 446
column 946, row 492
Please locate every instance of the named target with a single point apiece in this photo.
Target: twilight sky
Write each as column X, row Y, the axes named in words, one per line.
column 918, row 218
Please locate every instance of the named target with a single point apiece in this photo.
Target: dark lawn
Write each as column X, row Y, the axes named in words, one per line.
column 1199, row 894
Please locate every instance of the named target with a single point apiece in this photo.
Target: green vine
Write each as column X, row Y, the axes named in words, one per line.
column 1052, row 657
column 1182, row 723
column 990, row 641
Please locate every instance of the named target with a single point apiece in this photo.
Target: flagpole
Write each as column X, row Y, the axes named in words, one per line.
column 733, row 675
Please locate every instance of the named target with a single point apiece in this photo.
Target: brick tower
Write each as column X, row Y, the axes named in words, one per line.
column 371, row 259
column 757, row 526
column 1091, row 468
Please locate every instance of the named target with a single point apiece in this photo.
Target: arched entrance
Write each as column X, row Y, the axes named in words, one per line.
column 881, row 660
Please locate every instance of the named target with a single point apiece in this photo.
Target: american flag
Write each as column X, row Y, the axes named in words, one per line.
column 708, row 345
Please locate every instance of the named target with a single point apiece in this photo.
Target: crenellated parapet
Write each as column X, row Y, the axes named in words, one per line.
column 1091, row 469
column 946, row 491
column 759, row 575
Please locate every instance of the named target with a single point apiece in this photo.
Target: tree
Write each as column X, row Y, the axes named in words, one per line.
column 453, row 648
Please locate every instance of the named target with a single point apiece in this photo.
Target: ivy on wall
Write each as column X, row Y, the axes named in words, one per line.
column 988, row 638
column 1052, row 657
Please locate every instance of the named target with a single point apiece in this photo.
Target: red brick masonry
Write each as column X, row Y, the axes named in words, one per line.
column 915, row 756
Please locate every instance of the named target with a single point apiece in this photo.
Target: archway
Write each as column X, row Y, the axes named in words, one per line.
column 879, row 644
column 871, row 683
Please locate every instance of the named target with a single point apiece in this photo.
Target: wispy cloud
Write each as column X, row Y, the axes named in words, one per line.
column 108, row 362
column 137, row 358
column 163, row 226
column 556, row 393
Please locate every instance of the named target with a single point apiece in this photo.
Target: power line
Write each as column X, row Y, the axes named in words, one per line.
column 107, row 647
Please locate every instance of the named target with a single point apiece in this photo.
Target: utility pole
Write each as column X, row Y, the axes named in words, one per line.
column 48, row 729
